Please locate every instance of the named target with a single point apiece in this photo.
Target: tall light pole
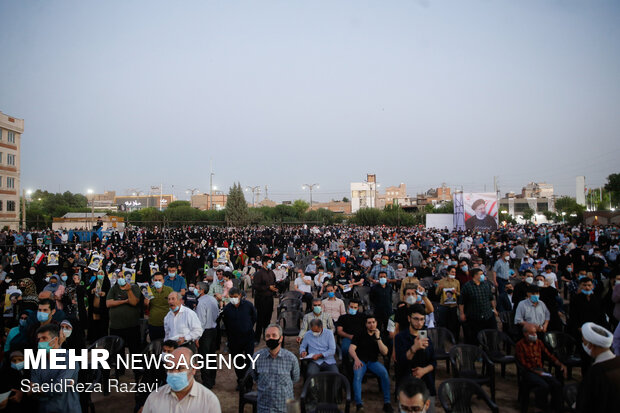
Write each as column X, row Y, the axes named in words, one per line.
column 310, row 187
column 253, row 189
column 92, row 206
column 191, row 191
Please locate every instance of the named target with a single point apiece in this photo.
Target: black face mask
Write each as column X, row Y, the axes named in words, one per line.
column 272, row 343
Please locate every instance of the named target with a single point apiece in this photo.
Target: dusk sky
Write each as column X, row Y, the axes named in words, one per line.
column 128, row 94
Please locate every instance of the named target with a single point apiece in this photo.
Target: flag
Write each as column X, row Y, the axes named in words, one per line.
column 39, row 257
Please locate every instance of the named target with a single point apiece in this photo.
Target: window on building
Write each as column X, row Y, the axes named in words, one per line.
column 10, row 137
column 10, row 159
column 1, row 205
column 0, row 134
column 10, row 205
column 0, row 182
column 0, row 157
column 10, row 182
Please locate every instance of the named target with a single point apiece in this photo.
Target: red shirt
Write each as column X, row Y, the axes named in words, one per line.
column 529, row 354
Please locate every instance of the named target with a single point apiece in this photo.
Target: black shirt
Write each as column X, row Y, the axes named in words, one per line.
column 367, row 347
column 352, row 324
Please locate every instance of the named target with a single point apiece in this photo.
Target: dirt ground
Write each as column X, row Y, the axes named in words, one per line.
column 506, row 390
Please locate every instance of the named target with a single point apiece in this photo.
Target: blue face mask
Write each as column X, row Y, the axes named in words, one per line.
column 44, row 345
column 100, row 276
column 175, row 309
column 331, row 294
column 465, row 268
column 42, row 317
column 18, row 366
column 23, row 322
column 534, row 299
column 177, row 381
column 122, row 282
column 352, row 311
column 586, row 292
column 157, row 284
column 482, row 277
column 269, row 265
column 382, row 281
column 317, row 309
column 409, row 274
column 63, row 277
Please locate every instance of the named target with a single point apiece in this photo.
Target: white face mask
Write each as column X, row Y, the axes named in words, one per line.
column 451, row 276
column 586, row 349
column 529, row 280
column 410, row 300
column 540, row 283
column 316, row 333
column 234, row 300
column 67, row 332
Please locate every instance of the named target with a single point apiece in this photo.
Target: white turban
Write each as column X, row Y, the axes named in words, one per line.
column 597, row 335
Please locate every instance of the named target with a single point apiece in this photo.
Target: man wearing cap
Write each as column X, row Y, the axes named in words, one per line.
column 600, row 390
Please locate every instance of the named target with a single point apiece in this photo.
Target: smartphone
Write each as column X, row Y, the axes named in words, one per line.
column 423, row 334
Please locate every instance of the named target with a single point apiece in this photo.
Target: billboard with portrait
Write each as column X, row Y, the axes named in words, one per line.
column 481, row 211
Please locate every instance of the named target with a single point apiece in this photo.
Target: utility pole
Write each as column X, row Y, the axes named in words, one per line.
column 23, row 226
column 266, row 192
column 254, row 189
column 211, row 186
column 310, row 187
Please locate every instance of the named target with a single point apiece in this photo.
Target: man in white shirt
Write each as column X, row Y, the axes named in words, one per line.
column 181, row 324
column 207, row 311
column 182, row 393
column 303, row 284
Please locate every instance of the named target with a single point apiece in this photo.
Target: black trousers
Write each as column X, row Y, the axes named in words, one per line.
column 206, row 345
column 235, row 348
column 545, row 386
column 264, row 308
column 473, row 327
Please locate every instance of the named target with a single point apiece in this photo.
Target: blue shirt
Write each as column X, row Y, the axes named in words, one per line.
column 274, row 378
column 502, row 269
column 51, row 402
column 177, row 283
column 323, row 344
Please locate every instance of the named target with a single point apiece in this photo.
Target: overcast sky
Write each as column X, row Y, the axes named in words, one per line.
column 128, row 94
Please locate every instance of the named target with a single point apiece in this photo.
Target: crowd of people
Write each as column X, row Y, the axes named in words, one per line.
column 370, row 296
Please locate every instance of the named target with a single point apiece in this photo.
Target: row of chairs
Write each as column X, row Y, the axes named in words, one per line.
column 329, row 392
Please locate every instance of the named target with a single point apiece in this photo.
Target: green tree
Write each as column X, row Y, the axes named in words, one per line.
column 528, row 213
column 367, row 216
column 236, row 206
column 321, row 216
column 345, row 199
column 301, row 207
column 176, row 204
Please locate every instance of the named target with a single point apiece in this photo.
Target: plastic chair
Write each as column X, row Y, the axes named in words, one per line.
column 114, row 345
column 441, row 336
column 498, row 347
column 523, row 395
column 362, row 292
column 508, row 325
column 289, row 304
column 455, row 396
column 296, row 295
column 290, row 321
column 246, row 393
column 565, row 348
column 470, row 362
column 325, row 392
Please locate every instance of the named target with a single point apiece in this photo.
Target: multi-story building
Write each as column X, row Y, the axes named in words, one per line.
column 206, row 201
column 11, row 130
column 537, row 190
column 339, row 207
column 364, row 194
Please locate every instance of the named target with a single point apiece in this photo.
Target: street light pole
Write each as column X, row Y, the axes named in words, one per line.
column 310, row 187
column 253, row 189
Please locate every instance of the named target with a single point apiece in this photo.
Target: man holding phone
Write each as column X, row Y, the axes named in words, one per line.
column 415, row 356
